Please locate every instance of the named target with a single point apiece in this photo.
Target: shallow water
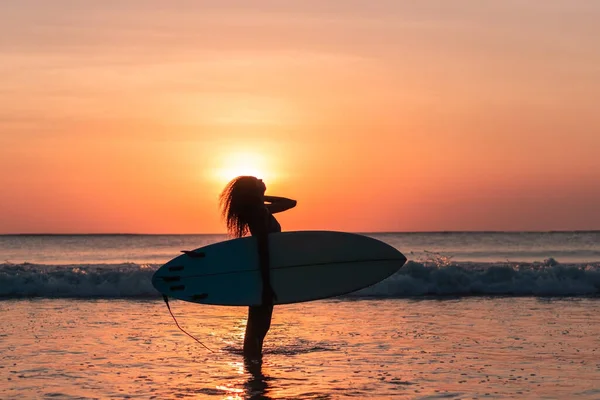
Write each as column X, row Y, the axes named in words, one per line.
column 387, row 348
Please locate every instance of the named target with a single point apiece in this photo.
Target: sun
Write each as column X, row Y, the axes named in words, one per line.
column 243, row 163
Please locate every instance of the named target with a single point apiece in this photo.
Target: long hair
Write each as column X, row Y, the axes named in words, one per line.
column 238, row 201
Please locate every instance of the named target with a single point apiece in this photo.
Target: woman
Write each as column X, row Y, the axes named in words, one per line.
column 246, row 209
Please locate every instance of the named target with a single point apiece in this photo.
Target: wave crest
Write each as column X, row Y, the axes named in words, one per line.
column 548, row 278
column 125, row 280
column 133, row 281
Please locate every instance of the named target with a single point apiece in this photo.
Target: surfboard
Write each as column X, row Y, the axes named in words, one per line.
column 304, row 266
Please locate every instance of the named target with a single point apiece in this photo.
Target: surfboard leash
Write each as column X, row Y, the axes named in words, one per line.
column 180, row 328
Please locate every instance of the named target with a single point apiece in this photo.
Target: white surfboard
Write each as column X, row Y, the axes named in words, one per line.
column 305, row 265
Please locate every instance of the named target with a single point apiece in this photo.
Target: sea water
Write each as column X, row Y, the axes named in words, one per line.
column 471, row 315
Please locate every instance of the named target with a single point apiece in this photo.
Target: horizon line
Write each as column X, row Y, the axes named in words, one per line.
column 357, row 232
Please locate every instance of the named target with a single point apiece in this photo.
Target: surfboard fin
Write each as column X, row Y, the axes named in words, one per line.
column 193, row 254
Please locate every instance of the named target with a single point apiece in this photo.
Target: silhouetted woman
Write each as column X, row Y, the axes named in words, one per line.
column 246, row 209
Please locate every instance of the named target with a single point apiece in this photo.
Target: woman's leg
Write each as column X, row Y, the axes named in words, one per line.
column 259, row 322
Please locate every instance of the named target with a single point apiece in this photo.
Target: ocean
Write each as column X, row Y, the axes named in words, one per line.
column 471, row 315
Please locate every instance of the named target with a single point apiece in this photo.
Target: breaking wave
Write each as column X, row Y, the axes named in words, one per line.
column 415, row 279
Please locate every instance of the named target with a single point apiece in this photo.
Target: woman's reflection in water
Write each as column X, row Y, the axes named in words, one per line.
column 256, row 386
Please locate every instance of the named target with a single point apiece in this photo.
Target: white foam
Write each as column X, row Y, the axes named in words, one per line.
column 530, row 279
column 128, row 280
column 82, row 281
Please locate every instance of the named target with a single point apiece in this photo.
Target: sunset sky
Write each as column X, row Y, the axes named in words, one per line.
column 130, row 116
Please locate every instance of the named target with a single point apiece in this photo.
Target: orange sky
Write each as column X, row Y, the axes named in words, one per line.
column 130, row 116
